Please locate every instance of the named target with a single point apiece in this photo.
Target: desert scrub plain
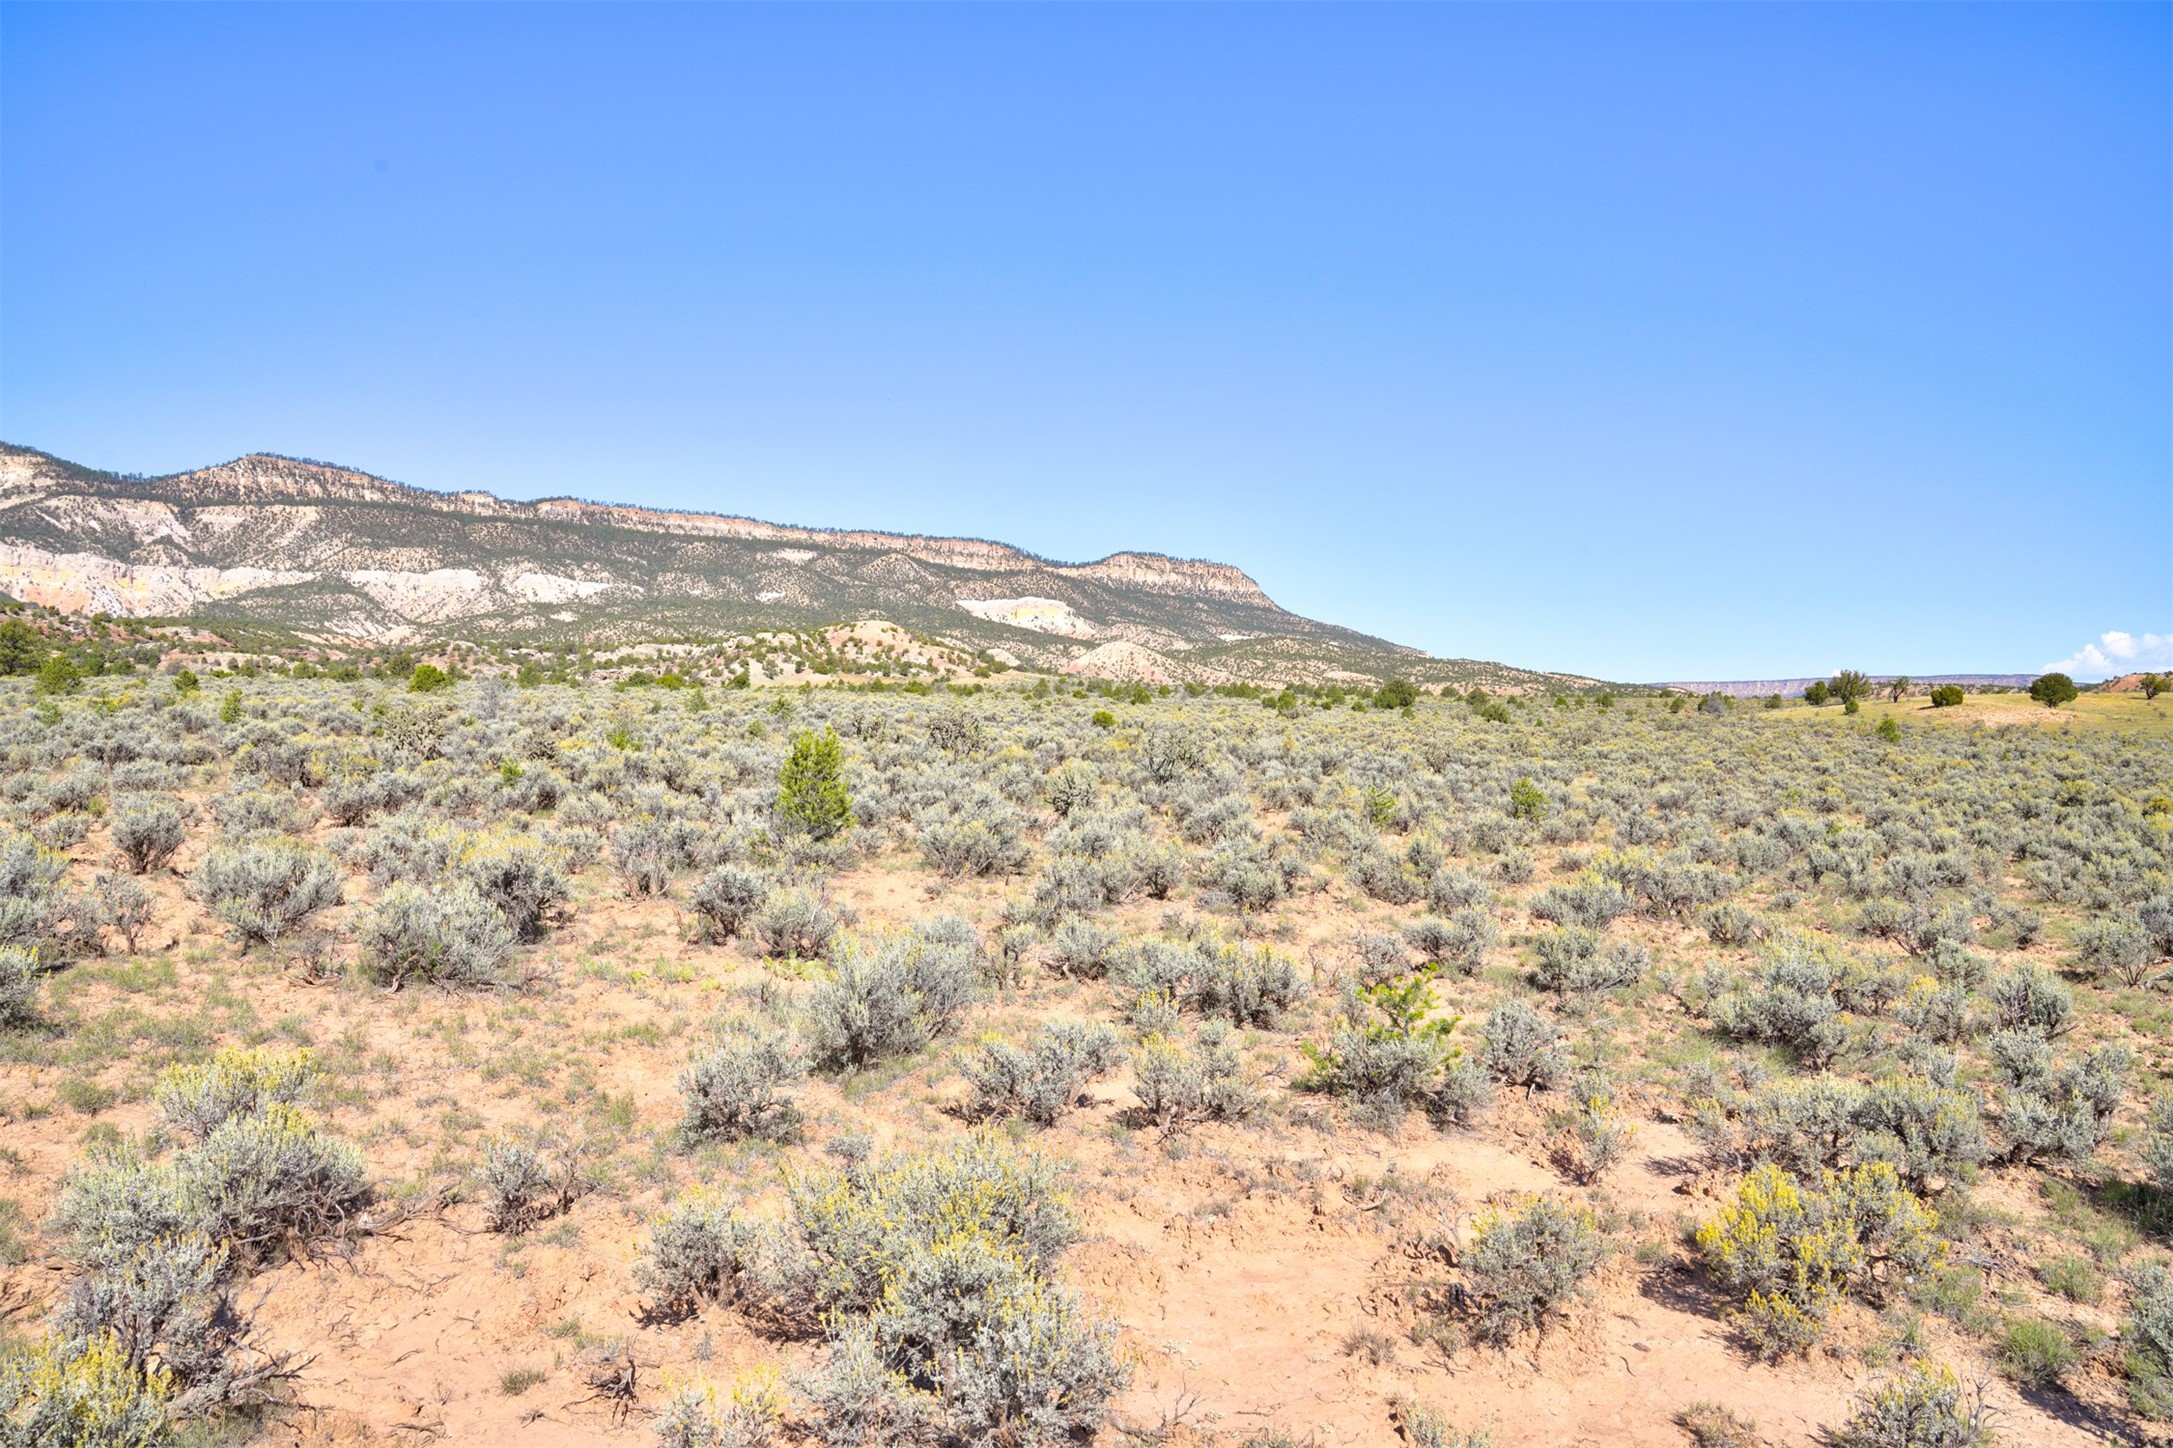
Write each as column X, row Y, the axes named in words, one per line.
column 569, row 1065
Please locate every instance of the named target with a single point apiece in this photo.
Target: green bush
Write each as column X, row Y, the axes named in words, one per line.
column 1947, row 696
column 1396, row 694
column 2036, row 1353
column 2053, row 690
column 2072, row 1277
column 812, row 796
column 58, row 675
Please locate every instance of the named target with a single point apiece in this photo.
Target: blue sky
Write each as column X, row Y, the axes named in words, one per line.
column 1650, row 342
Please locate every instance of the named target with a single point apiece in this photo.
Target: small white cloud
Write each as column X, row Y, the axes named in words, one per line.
column 2116, row 653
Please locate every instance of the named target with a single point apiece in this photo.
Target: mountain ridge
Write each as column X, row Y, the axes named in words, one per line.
column 338, row 557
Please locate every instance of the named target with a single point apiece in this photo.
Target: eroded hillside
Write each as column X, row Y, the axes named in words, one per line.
column 333, row 556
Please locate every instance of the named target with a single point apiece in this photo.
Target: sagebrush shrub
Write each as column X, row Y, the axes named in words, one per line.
column 1381, row 956
column 1730, row 924
column 520, row 879
column 1594, row 1135
column 147, row 830
column 696, row 1250
column 889, row 995
column 1011, row 1355
column 19, row 974
column 796, row 923
column 255, row 1182
column 1177, row 1087
column 2030, row 998
column 1790, row 1001
column 1937, row 1012
column 265, row 887
column 860, row 1399
column 1082, row 949
column 1521, row 1047
column 1588, row 904
column 645, row 853
column 2110, row 946
column 2069, row 1112
column 1451, row 890
column 165, row 1309
column 1250, row 984
column 2157, row 1149
column 449, row 936
column 1791, row 1249
column 1571, row 960
column 984, row 837
column 1522, row 1266
column 525, row 1183
column 1923, row 1406
column 1714, row 1425
column 735, row 1088
column 84, row 1394
column 1042, row 1080
column 198, row 1099
column 727, row 899
column 270, row 1177
column 2149, row 1334
column 749, row 1416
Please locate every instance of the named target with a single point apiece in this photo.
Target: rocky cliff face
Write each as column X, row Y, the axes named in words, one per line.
column 332, row 554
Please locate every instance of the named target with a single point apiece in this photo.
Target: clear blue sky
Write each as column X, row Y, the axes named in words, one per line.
column 1683, row 341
